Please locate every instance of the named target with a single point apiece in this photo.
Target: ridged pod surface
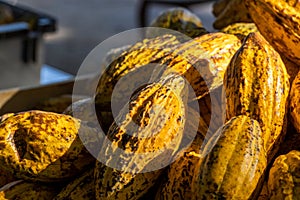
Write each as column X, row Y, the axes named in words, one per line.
column 113, row 184
column 241, row 29
column 179, row 19
column 283, row 182
column 279, row 23
column 179, row 176
column 202, row 61
column 28, row 190
column 234, row 162
column 153, row 125
column 81, row 188
column 234, row 11
column 43, row 146
column 256, row 84
column 140, row 54
column 295, row 103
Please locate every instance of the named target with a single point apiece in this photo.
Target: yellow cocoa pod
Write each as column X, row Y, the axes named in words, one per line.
column 295, row 103
column 279, row 23
column 241, row 29
column 256, row 84
column 233, row 163
column 202, row 61
column 81, row 188
column 28, row 190
column 44, row 146
column 114, row 184
column 235, row 11
column 143, row 128
column 179, row 176
column 283, row 182
column 140, row 54
column 149, row 134
column 5, row 116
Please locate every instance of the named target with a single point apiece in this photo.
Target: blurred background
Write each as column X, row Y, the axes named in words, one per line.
column 82, row 25
column 43, row 42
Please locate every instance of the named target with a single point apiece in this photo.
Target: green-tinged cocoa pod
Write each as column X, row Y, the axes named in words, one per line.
column 256, row 84
column 233, row 163
column 45, row 146
column 143, row 140
column 201, row 61
column 178, row 19
column 28, row 190
column 279, row 22
column 140, row 54
column 81, row 188
column 283, row 182
column 235, row 11
column 295, row 103
column 241, row 29
column 218, row 7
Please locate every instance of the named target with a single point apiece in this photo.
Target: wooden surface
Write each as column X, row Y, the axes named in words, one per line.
column 21, row 99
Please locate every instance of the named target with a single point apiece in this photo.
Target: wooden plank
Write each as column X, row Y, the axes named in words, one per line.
column 21, row 99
